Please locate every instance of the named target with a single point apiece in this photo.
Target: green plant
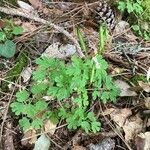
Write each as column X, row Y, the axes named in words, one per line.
column 7, row 32
column 21, row 62
column 33, row 113
column 146, row 6
column 132, row 6
column 73, row 86
column 136, row 9
column 141, row 31
column 81, row 40
column 103, row 35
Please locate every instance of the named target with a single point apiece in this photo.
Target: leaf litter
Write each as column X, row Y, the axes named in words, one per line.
column 124, row 117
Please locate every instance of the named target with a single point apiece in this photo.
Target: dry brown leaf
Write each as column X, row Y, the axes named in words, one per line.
column 121, row 27
column 17, row 21
column 36, row 3
column 147, row 102
column 144, row 86
column 29, row 137
column 50, row 127
column 143, row 141
column 26, row 74
column 132, row 127
column 108, row 111
column 91, row 38
column 120, row 115
column 124, row 88
column 79, row 148
column 139, row 142
column 28, row 27
column 131, row 36
column 59, row 52
column 117, row 70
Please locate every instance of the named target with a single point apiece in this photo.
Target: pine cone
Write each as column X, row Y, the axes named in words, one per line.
column 103, row 13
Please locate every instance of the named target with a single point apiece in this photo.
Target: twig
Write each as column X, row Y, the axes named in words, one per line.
column 24, row 139
column 15, row 84
column 55, row 143
column 12, row 11
column 5, row 116
column 117, row 131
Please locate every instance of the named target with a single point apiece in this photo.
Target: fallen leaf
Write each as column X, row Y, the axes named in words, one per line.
column 144, row 86
column 92, row 38
column 120, row 115
column 17, row 21
column 36, row 3
column 124, row 88
column 121, row 26
column 143, row 141
column 147, row 102
column 147, row 141
column 50, row 127
column 79, row 148
column 139, row 142
column 28, row 27
column 29, row 137
column 132, row 127
column 25, row 6
column 108, row 111
column 26, row 74
column 59, row 52
column 117, row 70
column 43, row 143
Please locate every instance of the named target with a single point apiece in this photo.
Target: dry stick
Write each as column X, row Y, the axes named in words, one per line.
column 5, row 116
column 12, row 11
column 46, row 132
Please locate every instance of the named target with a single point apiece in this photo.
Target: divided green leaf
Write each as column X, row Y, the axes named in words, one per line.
column 72, row 86
column 22, row 96
column 17, row 30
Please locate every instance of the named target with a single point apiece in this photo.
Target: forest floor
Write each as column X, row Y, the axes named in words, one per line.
column 58, row 30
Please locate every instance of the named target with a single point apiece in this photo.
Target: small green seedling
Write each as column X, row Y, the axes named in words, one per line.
column 7, row 33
